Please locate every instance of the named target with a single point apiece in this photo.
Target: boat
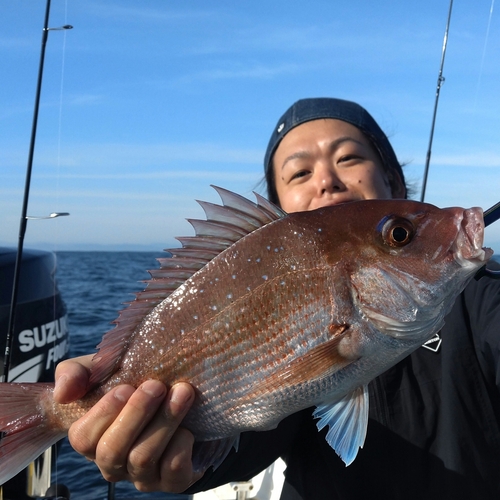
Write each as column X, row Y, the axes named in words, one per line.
column 41, row 315
column 40, row 339
column 264, row 486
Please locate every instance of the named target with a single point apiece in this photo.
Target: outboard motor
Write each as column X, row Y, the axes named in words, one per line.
column 40, row 339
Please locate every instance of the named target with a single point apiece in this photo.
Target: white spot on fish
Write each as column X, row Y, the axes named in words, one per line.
column 264, row 277
column 195, row 317
column 233, row 276
column 229, row 295
column 214, row 308
column 437, row 253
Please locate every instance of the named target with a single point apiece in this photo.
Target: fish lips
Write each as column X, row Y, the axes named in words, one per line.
column 467, row 248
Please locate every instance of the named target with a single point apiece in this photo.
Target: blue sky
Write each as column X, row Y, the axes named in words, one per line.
column 146, row 103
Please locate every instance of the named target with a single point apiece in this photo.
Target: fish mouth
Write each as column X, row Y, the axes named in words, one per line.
column 468, row 247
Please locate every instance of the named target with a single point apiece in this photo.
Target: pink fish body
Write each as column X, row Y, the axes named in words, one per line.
column 266, row 314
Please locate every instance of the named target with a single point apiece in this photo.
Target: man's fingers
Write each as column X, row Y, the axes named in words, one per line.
column 85, row 433
column 161, row 457
column 119, row 438
column 134, row 435
column 176, row 466
column 146, row 450
column 72, row 379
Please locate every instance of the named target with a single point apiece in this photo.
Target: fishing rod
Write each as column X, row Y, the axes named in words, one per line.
column 440, row 82
column 492, row 214
column 24, row 216
column 34, row 477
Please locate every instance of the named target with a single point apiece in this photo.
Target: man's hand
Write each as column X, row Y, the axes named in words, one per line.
column 132, row 434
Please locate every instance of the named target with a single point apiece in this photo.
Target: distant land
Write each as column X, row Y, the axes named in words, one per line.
column 96, row 247
column 135, row 247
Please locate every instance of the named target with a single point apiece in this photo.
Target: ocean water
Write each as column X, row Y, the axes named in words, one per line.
column 94, row 286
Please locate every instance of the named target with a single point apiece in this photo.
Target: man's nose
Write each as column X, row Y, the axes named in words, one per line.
column 329, row 181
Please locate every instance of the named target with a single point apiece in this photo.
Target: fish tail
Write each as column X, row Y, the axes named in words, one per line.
column 25, row 430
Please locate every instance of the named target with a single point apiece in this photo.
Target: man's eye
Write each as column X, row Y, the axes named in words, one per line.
column 347, row 158
column 300, row 173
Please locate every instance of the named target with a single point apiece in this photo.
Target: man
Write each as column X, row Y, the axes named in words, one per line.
column 434, row 429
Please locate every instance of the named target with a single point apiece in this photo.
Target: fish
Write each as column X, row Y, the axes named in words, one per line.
column 266, row 314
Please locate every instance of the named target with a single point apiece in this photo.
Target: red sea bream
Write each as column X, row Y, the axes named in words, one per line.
column 267, row 313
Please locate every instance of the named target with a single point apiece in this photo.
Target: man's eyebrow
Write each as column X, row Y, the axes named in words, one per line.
column 294, row 156
column 333, row 145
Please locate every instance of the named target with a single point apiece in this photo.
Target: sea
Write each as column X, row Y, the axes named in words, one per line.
column 95, row 286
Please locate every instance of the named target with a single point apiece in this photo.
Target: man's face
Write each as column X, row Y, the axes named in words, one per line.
column 326, row 162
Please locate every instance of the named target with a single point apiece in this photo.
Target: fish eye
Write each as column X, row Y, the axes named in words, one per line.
column 397, row 232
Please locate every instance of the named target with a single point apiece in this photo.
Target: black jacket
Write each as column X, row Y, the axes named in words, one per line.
column 434, row 428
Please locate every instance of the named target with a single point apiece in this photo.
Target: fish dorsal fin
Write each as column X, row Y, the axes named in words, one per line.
column 347, row 420
column 225, row 225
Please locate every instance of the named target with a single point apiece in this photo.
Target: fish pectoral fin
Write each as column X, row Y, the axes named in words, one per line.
column 212, row 453
column 319, row 362
column 347, row 420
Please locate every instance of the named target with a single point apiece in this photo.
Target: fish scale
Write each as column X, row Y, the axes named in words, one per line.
column 267, row 313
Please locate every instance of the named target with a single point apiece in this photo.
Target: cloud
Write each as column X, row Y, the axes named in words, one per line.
column 14, row 43
column 82, row 99
column 238, row 71
column 208, row 177
column 125, row 156
column 117, row 11
column 474, row 160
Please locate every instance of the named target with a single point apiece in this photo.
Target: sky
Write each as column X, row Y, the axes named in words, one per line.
column 147, row 103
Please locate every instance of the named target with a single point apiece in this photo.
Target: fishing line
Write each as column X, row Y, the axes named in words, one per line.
column 24, row 212
column 9, row 338
column 56, row 449
column 59, row 135
column 59, row 131
column 484, row 52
